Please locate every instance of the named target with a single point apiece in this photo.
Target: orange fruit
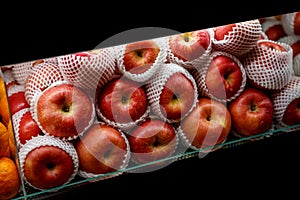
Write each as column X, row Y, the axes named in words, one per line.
column 9, row 179
column 4, row 141
column 2, row 88
column 4, row 111
column 12, row 141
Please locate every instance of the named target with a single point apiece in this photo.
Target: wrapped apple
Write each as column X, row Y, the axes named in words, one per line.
column 223, row 78
column 269, row 65
column 122, row 103
column 190, row 49
column 40, row 78
column 102, row 150
column 294, row 42
column 286, row 105
column 88, row 69
column 140, row 60
column 207, row 127
column 291, row 23
column 47, row 162
column 172, row 92
column 237, row 38
column 273, row 29
column 63, row 110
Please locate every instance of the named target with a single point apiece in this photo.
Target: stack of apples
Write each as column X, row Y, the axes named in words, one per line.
column 158, row 98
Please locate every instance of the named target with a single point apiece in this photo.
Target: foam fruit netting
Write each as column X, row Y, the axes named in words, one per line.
column 269, row 70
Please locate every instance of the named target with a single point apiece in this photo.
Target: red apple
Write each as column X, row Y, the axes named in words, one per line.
column 172, row 92
column 291, row 23
column 87, row 69
column 16, row 98
column 286, row 104
column 121, row 101
column 25, row 126
column 177, row 97
column 47, row 162
column 152, row 141
column 40, row 78
column 291, row 115
column 251, row 113
column 273, row 58
column 296, row 48
column 140, row 56
column 207, row 125
column 64, row 110
column 102, row 149
column 190, row 45
column 237, row 38
column 222, row 31
column 224, row 77
column 273, row 29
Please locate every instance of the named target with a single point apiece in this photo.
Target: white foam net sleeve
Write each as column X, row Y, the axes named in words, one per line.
column 269, row 68
column 15, row 89
column 290, row 40
column 288, row 22
column 20, row 71
column 201, row 73
column 241, row 39
column 282, row 98
column 144, row 76
column 41, row 77
column 202, row 59
column 88, row 71
column 44, row 140
column 156, row 84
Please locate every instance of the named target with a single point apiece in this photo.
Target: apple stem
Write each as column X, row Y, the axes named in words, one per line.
column 50, row 166
column 66, row 108
column 252, row 107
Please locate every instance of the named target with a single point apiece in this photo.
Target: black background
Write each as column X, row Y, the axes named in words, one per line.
column 266, row 168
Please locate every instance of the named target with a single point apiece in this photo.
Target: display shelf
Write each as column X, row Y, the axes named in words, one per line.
column 231, row 142
column 88, row 71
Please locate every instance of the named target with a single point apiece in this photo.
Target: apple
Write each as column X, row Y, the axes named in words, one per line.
column 40, row 78
column 207, row 126
column 87, row 69
column 151, row 142
column 251, row 113
column 172, row 92
column 47, row 162
column 102, row 149
column 64, row 110
column 292, row 113
column 140, row 56
column 140, row 60
column 237, row 38
column 286, row 104
column 294, row 42
column 273, row 29
column 121, row 102
column 21, row 71
column 189, row 46
column 25, row 126
column 222, row 32
column 225, row 77
column 16, row 98
column 274, row 59
column 291, row 23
